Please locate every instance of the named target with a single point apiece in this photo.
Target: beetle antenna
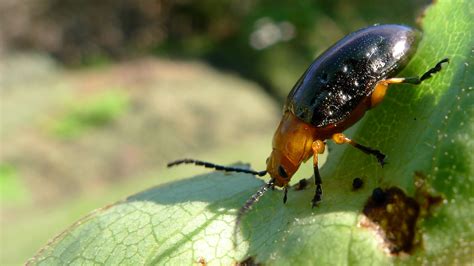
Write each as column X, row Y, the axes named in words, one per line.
column 248, row 205
column 217, row 167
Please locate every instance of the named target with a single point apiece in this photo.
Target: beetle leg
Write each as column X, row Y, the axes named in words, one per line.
column 318, row 148
column 340, row 138
column 249, row 203
column 285, row 194
column 381, row 87
column 379, row 93
column 427, row 74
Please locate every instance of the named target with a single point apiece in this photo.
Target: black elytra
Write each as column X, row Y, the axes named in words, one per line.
column 340, row 78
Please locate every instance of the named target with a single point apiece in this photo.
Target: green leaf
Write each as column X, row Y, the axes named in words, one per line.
column 425, row 130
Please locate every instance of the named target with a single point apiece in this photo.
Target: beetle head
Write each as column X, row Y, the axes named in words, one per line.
column 280, row 168
column 291, row 146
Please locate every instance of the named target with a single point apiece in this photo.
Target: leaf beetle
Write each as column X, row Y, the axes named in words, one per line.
column 345, row 81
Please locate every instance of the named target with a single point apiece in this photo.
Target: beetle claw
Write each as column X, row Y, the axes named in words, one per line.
column 381, row 158
column 316, row 200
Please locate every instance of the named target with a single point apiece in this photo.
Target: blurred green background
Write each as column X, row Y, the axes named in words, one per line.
column 96, row 96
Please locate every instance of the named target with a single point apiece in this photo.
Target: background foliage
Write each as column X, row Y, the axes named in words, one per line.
column 253, row 38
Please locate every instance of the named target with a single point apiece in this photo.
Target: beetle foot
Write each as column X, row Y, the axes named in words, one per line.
column 381, row 158
column 315, row 201
column 317, row 196
column 368, row 150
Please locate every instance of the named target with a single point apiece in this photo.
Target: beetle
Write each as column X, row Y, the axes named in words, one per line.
column 348, row 79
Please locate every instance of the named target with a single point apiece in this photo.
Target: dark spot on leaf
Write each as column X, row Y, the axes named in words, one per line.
column 393, row 215
column 248, row 262
column 302, row 184
column 357, row 183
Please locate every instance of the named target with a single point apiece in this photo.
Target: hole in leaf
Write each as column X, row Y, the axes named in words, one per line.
column 394, row 216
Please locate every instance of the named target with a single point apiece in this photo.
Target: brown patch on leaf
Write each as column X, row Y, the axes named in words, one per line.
column 425, row 196
column 202, row 261
column 393, row 216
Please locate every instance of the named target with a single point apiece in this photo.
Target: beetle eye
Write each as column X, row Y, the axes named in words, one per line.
column 282, row 172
